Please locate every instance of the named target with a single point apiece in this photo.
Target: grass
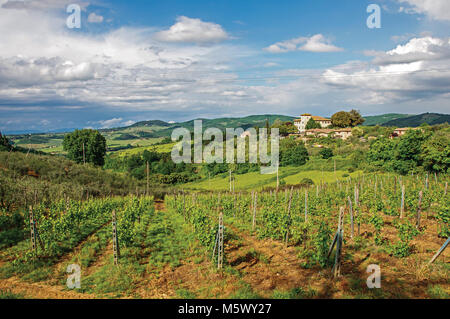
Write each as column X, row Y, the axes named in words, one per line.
column 437, row 292
column 164, row 148
column 245, row 292
column 255, row 180
column 6, row 294
column 295, row 293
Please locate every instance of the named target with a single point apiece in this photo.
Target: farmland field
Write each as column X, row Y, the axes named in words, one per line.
column 275, row 244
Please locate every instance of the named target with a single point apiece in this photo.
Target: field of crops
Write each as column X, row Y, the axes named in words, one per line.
column 238, row 244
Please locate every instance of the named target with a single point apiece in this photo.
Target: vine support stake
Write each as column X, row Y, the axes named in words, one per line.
column 306, row 206
column 351, row 216
column 254, row 211
column 289, row 215
column 439, row 252
column 402, row 207
column 338, row 259
column 116, row 252
column 419, row 209
column 33, row 232
column 220, row 243
column 148, row 172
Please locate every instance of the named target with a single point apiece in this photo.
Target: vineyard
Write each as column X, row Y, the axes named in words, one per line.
column 302, row 242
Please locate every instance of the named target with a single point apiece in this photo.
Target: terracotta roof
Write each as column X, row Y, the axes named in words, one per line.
column 329, row 130
column 319, row 118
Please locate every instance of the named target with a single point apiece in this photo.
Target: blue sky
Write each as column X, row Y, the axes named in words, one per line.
column 179, row 60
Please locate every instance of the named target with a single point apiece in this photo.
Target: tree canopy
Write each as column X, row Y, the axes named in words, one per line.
column 347, row 119
column 94, row 146
column 312, row 124
column 416, row 150
column 5, row 144
column 293, row 152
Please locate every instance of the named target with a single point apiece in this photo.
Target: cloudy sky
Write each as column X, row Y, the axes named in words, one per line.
column 178, row 60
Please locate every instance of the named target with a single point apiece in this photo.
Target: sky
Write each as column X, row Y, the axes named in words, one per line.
column 176, row 60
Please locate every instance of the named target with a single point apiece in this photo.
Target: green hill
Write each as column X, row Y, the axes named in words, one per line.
column 384, row 118
column 417, row 120
column 228, row 122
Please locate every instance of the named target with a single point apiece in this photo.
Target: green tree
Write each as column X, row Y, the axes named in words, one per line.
column 293, row 153
column 94, row 146
column 381, row 152
column 436, row 153
column 5, row 144
column 409, row 149
column 341, row 119
column 312, row 124
column 326, row 153
column 357, row 132
column 356, row 118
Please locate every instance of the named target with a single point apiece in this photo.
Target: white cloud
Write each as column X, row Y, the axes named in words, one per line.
column 190, row 30
column 94, row 18
column 115, row 122
column 316, row 43
column 270, row 64
column 434, row 9
column 39, row 4
column 414, row 71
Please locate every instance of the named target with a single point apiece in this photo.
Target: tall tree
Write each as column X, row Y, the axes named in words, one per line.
column 293, row 152
column 436, row 153
column 356, row 118
column 5, row 144
column 88, row 145
column 341, row 119
column 312, row 124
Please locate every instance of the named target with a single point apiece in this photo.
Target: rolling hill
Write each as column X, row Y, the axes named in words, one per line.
column 417, row 120
column 384, row 118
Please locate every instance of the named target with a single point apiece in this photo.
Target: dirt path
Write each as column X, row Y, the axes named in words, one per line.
column 39, row 290
column 266, row 264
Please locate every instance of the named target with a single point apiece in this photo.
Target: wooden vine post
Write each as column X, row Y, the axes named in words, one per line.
column 148, row 172
column 289, row 216
column 337, row 241
column 419, row 210
column 351, row 216
column 33, row 232
column 254, row 211
column 357, row 207
column 306, row 206
column 184, row 206
column 402, row 205
column 220, row 243
column 116, row 251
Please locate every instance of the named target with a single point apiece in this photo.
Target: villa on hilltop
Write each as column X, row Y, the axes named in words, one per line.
column 301, row 122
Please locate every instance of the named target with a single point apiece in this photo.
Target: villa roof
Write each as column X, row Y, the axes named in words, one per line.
column 319, row 118
column 327, row 130
column 314, row 117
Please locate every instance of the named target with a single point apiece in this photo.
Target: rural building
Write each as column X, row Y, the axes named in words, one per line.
column 399, row 132
column 301, row 122
column 343, row 133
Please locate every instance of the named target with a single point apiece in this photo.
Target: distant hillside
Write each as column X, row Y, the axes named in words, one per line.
column 417, row 120
column 151, row 123
column 384, row 118
column 220, row 123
